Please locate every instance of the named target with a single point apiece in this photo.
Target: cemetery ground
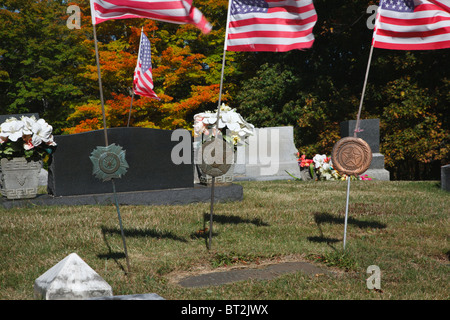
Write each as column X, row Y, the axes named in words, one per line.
column 400, row 226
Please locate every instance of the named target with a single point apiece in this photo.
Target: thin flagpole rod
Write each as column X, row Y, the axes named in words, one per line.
column 358, row 118
column 355, row 133
column 346, row 210
column 217, row 121
column 106, row 143
column 100, row 85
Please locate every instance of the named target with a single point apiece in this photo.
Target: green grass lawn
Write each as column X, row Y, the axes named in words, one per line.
column 400, row 226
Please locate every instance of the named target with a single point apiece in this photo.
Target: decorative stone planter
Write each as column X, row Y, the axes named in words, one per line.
column 19, row 178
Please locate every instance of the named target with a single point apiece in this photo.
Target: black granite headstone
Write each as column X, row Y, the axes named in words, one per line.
column 148, row 154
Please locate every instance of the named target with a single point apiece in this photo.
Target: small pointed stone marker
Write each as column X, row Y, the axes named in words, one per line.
column 71, row 279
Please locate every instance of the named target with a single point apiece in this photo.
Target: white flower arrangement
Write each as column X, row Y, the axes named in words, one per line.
column 324, row 168
column 229, row 120
column 26, row 137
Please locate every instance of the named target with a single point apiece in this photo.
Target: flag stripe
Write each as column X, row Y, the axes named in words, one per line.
column 271, row 22
column 271, row 34
column 423, row 25
column 173, row 11
column 273, row 47
column 258, row 25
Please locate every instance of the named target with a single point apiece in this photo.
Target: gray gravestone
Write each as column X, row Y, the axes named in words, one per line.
column 268, row 155
column 71, row 279
column 371, row 134
column 148, row 154
column 445, row 177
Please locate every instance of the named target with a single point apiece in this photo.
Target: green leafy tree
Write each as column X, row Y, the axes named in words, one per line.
column 39, row 59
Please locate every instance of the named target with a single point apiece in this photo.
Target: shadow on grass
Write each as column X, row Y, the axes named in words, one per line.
column 322, row 217
column 235, row 220
column 133, row 232
column 323, row 239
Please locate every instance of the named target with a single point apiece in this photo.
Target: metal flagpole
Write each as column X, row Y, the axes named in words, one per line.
column 100, row 85
column 358, row 117
column 217, row 121
column 346, row 210
column 106, row 144
column 357, row 129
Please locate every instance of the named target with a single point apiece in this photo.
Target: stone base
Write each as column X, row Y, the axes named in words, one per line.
column 378, row 174
column 145, row 296
column 199, row 193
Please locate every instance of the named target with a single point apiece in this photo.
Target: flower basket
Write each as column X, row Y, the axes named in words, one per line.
column 24, row 143
column 19, row 178
column 231, row 127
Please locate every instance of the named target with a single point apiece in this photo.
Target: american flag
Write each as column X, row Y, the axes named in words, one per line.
column 143, row 80
column 270, row 25
column 412, row 25
column 173, row 11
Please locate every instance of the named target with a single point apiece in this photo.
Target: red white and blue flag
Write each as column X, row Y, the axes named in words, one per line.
column 412, row 25
column 143, row 79
column 173, row 11
column 270, row 25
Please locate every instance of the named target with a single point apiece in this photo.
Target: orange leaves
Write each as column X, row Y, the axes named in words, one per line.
column 200, row 95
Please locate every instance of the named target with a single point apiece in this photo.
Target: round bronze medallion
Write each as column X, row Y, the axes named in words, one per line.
column 351, row 156
column 217, row 157
column 108, row 162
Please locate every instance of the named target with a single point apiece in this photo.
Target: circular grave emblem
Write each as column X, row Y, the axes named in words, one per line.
column 109, row 162
column 351, row 156
column 217, row 157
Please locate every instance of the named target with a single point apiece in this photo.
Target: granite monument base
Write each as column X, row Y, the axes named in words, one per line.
column 180, row 196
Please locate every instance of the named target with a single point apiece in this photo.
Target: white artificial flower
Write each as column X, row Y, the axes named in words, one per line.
column 42, row 132
column 327, row 176
column 319, row 160
column 224, row 107
column 12, row 129
column 28, row 123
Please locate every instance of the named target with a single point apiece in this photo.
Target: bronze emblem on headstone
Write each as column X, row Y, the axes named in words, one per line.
column 109, row 162
column 217, row 157
column 351, row 156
